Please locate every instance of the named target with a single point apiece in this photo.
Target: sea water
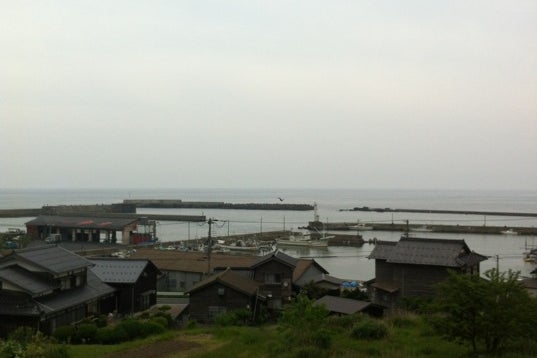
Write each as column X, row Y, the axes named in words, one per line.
column 504, row 251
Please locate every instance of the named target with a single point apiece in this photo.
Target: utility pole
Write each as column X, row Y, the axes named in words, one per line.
column 209, row 246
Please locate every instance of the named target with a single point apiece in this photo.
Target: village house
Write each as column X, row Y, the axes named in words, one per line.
column 272, row 281
column 47, row 287
column 411, row 267
column 183, row 270
column 222, row 292
column 135, row 281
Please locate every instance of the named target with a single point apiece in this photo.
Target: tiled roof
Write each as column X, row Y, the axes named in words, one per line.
column 52, row 258
column 418, row 251
column 17, row 304
column 280, row 256
column 93, row 290
column 382, row 250
column 112, row 270
column 86, row 222
column 342, row 305
column 302, row 267
column 192, row 261
column 230, row 279
column 30, row 282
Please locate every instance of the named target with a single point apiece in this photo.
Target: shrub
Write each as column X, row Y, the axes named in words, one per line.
column 144, row 315
column 191, row 324
column 164, row 308
column 149, row 328
column 132, row 327
column 22, row 335
column 167, row 316
column 161, row 321
column 322, row 339
column 369, row 329
column 111, row 335
column 101, row 321
column 85, row 333
column 64, row 333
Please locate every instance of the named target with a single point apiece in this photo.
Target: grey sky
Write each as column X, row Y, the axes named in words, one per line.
column 328, row 94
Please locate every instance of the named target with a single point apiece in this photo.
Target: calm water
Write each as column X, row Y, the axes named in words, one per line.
column 343, row 262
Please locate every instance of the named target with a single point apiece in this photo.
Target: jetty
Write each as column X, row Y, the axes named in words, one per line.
column 421, row 228
column 180, row 204
column 117, row 211
column 429, row 211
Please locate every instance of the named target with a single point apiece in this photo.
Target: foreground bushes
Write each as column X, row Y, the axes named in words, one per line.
column 23, row 342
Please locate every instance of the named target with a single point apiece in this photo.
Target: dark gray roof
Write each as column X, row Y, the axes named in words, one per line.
column 112, row 270
column 419, row 251
column 279, row 255
column 81, row 222
column 342, row 305
column 53, row 259
column 17, row 304
column 31, row 283
column 382, row 250
column 93, row 290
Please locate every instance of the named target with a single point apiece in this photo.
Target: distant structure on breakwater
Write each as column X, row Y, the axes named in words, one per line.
column 180, row 204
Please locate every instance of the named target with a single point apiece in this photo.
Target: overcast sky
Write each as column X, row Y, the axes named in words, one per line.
column 283, row 94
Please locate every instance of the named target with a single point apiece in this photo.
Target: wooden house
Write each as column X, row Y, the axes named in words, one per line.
column 412, row 266
column 183, row 270
column 274, row 272
column 222, row 292
column 47, row 287
column 135, row 281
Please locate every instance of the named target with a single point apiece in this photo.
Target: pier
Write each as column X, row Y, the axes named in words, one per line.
column 423, row 229
column 180, row 204
column 428, row 211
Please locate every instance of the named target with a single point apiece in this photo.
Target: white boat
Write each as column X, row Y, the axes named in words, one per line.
column 509, row 232
column 421, row 229
column 302, row 241
column 360, row 227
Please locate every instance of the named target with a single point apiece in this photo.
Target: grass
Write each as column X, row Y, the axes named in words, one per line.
column 408, row 336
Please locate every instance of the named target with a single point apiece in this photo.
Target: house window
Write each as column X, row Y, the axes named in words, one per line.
column 172, row 283
column 182, row 284
column 221, row 291
column 273, row 278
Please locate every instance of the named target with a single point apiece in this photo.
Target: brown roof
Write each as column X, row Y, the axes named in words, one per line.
column 230, row 279
column 192, row 261
column 303, row 265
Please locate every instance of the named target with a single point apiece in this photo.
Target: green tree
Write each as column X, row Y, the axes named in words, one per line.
column 493, row 310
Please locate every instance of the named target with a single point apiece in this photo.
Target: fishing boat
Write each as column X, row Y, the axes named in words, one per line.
column 302, row 240
column 509, row 232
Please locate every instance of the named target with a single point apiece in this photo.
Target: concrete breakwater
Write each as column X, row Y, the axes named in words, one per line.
column 423, row 229
column 180, row 204
column 428, row 211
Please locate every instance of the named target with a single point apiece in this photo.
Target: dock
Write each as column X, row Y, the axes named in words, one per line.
column 428, row 211
column 423, row 229
column 180, row 204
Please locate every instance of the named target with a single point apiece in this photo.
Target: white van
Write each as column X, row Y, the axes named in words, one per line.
column 53, row 238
